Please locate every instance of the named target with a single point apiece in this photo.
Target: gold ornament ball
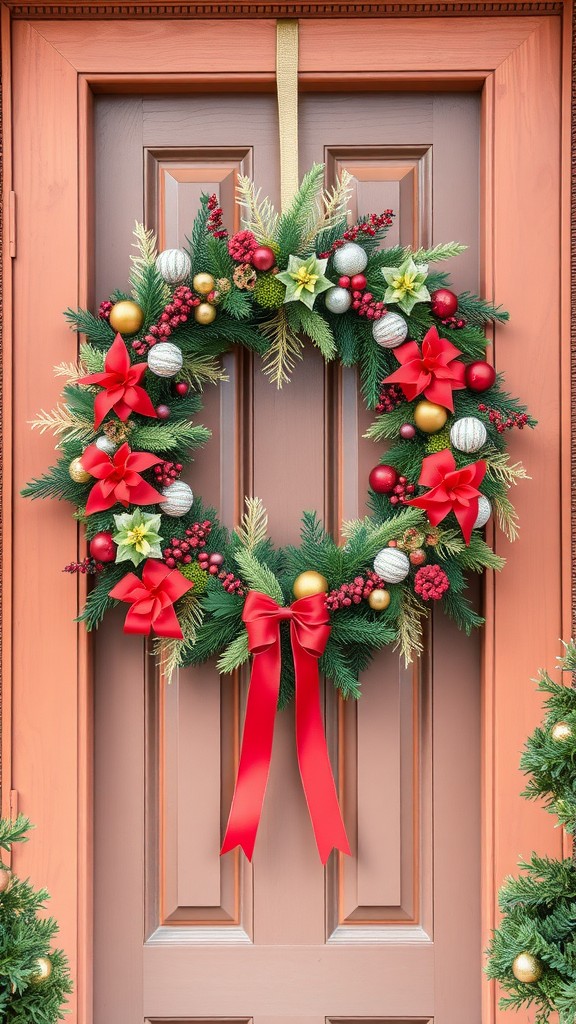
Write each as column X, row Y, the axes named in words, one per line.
column 561, row 731
column 430, row 418
column 204, row 313
column 309, row 583
column 77, row 472
column 126, row 317
column 379, row 600
column 203, row 283
column 5, row 879
column 527, row 968
column 43, row 970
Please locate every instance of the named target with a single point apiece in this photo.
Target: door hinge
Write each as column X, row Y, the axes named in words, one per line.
column 12, row 224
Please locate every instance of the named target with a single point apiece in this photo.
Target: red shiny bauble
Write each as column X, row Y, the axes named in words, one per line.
column 181, row 388
column 344, row 281
column 479, row 376
column 263, row 258
column 163, row 412
column 102, row 547
column 358, row 282
column 382, row 479
column 444, row 303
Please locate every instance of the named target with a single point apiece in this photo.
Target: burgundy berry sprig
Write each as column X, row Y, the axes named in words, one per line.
column 369, row 226
column 87, row 565
column 175, row 313
column 501, row 422
column 214, row 223
column 354, row 593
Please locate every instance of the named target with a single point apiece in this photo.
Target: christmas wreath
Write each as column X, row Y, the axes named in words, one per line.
column 126, row 432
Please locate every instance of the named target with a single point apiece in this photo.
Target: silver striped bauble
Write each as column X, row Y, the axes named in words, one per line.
column 484, row 512
column 179, row 499
column 468, row 434
column 350, row 259
column 173, row 265
column 105, row 444
column 165, row 359
column 390, row 330
column 338, row 300
column 392, row 565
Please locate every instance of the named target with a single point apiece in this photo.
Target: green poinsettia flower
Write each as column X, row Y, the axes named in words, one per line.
column 137, row 536
column 406, row 284
column 304, row 279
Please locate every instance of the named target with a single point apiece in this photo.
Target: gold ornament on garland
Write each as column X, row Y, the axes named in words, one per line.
column 430, row 418
column 42, row 972
column 527, row 968
column 309, row 583
column 126, row 317
column 205, row 313
column 561, row 731
column 77, row 472
column 379, row 600
column 5, row 879
column 203, row 283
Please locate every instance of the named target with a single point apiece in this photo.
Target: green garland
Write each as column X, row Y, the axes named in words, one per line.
column 271, row 286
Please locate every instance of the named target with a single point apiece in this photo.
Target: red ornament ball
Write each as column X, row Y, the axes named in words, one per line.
column 181, row 388
column 479, row 376
column 163, row 412
column 382, row 479
column 102, row 547
column 344, row 281
column 358, row 282
column 263, row 258
column 444, row 303
column 418, row 556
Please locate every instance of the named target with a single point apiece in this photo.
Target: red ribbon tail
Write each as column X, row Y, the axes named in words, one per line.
column 313, row 760
column 256, row 752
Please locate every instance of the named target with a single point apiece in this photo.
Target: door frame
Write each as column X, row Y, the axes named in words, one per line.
column 54, row 63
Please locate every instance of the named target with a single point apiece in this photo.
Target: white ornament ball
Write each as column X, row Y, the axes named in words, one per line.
column 338, row 300
column 484, row 512
column 350, row 259
column 390, row 330
column 179, row 499
column 392, row 565
column 173, row 265
column 105, row 444
column 468, row 434
column 165, row 359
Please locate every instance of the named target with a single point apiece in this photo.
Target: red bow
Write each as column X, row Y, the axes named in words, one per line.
column 452, row 490
column 152, row 599
column 309, row 632
column 434, row 371
column 120, row 381
column 119, row 477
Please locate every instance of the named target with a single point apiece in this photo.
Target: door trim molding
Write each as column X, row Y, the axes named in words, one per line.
column 271, row 9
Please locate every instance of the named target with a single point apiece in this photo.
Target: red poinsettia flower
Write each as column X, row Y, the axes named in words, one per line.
column 434, row 372
column 120, row 381
column 452, row 490
column 119, row 478
column 152, row 599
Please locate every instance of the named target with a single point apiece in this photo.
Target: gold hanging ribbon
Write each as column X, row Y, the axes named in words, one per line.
column 287, row 91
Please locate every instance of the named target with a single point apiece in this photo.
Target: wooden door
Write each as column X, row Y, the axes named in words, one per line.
column 180, row 932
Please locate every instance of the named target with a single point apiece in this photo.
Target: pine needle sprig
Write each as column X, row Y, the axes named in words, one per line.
column 506, row 516
column 253, row 528
column 170, row 652
column 148, row 287
column 283, row 350
column 62, row 421
column 332, row 211
column 95, row 328
column 410, row 626
column 480, row 311
column 314, row 326
column 199, row 370
column 296, row 224
column 259, row 216
column 257, row 575
column 444, row 251
column 234, row 655
column 500, row 468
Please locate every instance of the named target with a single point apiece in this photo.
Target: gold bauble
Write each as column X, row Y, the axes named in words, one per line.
column 309, row 583
column 526, row 968
column 203, row 283
column 43, row 970
column 204, row 313
column 126, row 317
column 5, row 879
column 77, row 472
column 561, row 731
column 430, row 418
column 379, row 600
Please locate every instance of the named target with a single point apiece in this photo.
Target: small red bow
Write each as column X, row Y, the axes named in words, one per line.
column 435, row 371
column 309, row 632
column 152, row 599
column 120, row 381
column 452, row 490
column 119, row 478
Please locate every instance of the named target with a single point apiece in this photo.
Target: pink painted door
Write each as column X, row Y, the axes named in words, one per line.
column 392, row 933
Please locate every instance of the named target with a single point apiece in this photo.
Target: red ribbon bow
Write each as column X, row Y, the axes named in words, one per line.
column 435, row 371
column 453, row 490
column 309, row 632
column 120, row 381
column 152, row 599
column 119, row 478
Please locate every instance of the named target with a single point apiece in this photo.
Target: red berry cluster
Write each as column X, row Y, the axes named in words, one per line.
column 503, row 422
column 401, row 492
column 167, row 472
column 231, row 583
column 242, row 245
column 105, row 310
column 180, row 548
column 390, row 397
column 198, row 533
column 214, row 224
column 211, row 563
column 353, row 593
column 430, row 582
column 175, row 313
column 87, row 565
column 177, row 551
column 454, row 322
column 375, row 222
column 365, row 304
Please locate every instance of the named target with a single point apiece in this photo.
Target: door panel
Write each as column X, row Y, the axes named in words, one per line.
column 375, row 936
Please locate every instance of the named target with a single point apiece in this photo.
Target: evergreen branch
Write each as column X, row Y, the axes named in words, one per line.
column 202, row 369
column 314, row 326
column 444, row 251
column 95, row 328
column 476, row 556
column 253, row 528
column 285, row 347
column 14, row 830
column 499, row 467
column 170, row 651
column 71, row 371
column 148, row 287
column 167, row 437
column 480, row 311
column 409, row 625
column 61, row 420
column 259, row 215
column 333, row 209
column 234, row 655
column 258, row 576
column 507, row 516
column 297, row 223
